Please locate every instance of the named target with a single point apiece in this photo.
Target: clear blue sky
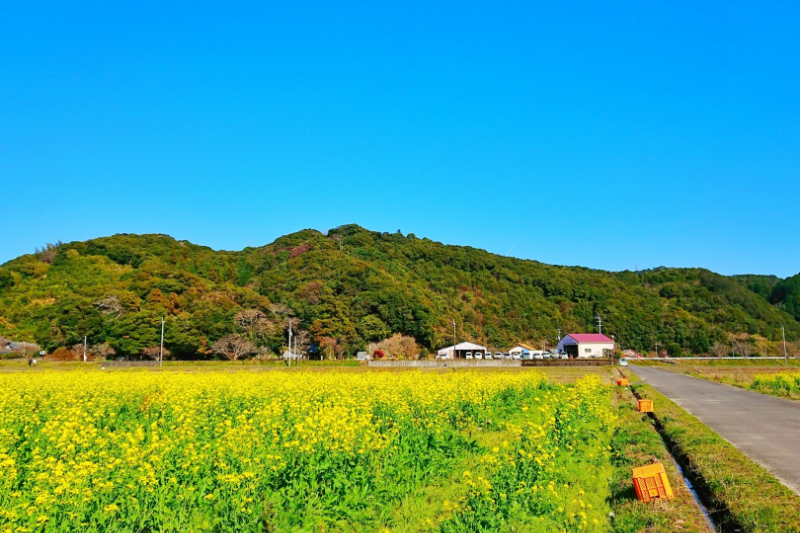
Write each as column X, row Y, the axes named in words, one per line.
column 602, row 134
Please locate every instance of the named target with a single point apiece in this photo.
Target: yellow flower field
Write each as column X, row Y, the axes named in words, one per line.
column 302, row 451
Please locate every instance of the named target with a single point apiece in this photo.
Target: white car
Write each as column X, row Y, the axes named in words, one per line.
column 538, row 354
column 478, row 355
column 498, row 355
column 469, row 355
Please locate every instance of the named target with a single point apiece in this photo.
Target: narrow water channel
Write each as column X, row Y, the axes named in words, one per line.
column 697, row 499
column 718, row 519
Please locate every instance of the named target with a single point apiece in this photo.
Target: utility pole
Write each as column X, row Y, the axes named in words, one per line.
column 785, row 358
column 599, row 324
column 454, row 338
column 290, row 342
column 161, row 348
column 559, row 334
column 613, row 338
column 656, row 349
column 84, row 348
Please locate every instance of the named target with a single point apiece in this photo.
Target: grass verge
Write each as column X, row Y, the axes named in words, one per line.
column 742, row 494
column 637, row 443
column 738, row 362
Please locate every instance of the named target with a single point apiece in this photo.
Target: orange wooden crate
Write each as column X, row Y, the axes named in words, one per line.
column 645, row 406
column 622, row 382
column 651, row 482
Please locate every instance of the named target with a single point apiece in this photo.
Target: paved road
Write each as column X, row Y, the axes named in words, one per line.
column 764, row 427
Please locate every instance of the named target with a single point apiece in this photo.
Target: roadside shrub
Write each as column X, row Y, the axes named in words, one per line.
column 674, row 349
column 62, row 354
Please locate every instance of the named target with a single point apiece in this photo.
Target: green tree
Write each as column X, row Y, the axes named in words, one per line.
column 371, row 328
column 136, row 331
column 332, row 318
column 674, row 349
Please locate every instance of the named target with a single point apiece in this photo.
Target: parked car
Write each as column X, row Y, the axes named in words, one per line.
column 538, row 354
column 506, row 355
column 498, row 355
column 525, row 355
column 564, row 355
column 478, row 355
column 468, row 355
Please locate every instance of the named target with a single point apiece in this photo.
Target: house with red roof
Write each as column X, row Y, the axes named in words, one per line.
column 579, row 345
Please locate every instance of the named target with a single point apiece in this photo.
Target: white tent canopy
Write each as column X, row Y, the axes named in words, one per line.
column 450, row 352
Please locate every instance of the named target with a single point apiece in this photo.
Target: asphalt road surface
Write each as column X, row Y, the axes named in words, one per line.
column 764, row 427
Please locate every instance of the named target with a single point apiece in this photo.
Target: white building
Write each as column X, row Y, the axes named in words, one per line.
column 460, row 351
column 586, row 345
column 519, row 348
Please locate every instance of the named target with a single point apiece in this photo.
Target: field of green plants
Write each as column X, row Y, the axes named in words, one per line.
column 303, row 451
column 780, row 384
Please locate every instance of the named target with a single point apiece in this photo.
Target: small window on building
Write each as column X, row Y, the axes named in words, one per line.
column 587, row 350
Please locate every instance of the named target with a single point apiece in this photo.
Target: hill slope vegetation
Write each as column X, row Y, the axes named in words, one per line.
column 356, row 286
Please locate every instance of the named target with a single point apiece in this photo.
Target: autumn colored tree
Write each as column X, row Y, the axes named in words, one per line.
column 331, row 348
column 399, row 346
column 102, row 351
column 157, row 298
column 719, row 349
column 28, row 350
column 154, row 353
column 233, row 347
column 77, row 351
column 254, row 323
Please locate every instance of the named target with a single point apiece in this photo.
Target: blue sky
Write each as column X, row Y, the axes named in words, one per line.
column 602, row 134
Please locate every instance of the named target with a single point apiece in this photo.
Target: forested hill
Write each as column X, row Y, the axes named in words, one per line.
column 786, row 294
column 358, row 286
